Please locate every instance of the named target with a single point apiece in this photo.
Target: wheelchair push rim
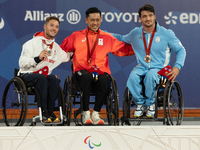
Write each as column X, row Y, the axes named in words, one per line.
column 112, row 106
column 173, row 102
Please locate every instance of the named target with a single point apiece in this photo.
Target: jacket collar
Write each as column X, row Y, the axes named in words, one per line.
column 90, row 31
column 41, row 35
column 157, row 27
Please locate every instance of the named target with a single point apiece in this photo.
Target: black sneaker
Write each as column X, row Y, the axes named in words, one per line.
column 45, row 117
column 54, row 118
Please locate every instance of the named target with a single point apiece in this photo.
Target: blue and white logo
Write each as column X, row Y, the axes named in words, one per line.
column 170, row 18
column 73, row 16
column 182, row 18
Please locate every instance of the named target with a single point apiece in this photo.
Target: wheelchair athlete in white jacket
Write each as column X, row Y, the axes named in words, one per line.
column 39, row 57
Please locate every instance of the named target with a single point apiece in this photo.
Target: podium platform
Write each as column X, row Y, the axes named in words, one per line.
column 100, row 138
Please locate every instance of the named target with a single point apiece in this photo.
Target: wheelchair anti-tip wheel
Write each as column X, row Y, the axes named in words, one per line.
column 173, row 103
column 15, row 103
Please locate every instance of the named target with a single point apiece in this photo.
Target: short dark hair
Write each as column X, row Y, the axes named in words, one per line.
column 146, row 7
column 92, row 10
column 52, row 18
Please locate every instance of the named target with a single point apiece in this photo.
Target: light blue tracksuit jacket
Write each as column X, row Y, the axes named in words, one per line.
column 164, row 41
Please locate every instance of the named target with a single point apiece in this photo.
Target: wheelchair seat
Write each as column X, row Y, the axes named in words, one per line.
column 15, row 102
column 72, row 91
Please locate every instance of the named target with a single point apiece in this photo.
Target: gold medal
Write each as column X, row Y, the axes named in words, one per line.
column 90, row 53
column 89, row 61
column 147, row 58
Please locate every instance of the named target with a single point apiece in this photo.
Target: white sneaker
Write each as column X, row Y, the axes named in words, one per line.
column 86, row 117
column 151, row 111
column 96, row 119
column 139, row 111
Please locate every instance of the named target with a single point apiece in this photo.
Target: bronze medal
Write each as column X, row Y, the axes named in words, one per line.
column 147, row 58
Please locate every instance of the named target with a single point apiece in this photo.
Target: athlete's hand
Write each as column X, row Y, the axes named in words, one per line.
column 44, row 54
column 174, row 73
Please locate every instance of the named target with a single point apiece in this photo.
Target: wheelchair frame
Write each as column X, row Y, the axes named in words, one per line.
column 71, row 92
column 169, row 96
column 15, row 103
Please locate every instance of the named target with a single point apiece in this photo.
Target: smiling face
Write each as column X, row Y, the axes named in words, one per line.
column 147, row 19
column 51, row 29
column 93, row 21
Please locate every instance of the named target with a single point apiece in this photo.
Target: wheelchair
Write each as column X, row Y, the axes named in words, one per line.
column 73, row 95
column 169, row 105
column 15, row 103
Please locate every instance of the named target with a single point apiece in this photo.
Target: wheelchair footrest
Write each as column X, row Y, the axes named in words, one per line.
column 146, row 119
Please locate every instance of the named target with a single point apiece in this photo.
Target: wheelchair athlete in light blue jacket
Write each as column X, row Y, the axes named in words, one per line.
column 159, row 42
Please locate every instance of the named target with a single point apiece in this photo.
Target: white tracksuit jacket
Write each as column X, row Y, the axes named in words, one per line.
column 33, row 48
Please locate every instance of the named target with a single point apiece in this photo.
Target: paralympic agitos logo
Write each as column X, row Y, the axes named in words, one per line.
column 91, row 145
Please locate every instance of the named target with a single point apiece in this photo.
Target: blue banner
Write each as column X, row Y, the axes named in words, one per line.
column 20, row 19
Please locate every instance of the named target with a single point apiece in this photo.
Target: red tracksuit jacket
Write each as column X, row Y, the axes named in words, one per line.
column 106, row 43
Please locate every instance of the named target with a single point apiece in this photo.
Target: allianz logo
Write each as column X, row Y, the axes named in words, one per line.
column 73, row 16
column 183, row 18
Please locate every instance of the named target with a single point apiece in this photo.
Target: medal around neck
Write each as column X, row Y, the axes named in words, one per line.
column 147, row 58
column 49, row 50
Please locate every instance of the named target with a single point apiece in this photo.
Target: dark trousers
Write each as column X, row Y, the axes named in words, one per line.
column 48, row 88
column 100, row 87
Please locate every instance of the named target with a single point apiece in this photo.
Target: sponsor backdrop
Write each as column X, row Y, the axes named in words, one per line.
column 20, row 19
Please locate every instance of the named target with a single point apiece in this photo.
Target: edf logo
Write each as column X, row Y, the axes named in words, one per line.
column 184, row 18
column 73, row 16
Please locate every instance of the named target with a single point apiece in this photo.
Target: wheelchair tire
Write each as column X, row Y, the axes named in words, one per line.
column 128, row 109
column 15, row 102
column 112, row 106
column 173, row 103
column 68, row 99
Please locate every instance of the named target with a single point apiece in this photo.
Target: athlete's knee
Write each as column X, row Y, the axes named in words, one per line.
column 134, row 78
column 42, row 79
column 84, row 75
column 52, row 79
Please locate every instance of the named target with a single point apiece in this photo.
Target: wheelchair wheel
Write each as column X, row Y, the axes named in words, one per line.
column 128, row 109
column 68, row 99
column 15, row 102
column 112, row 106
column 173, row 103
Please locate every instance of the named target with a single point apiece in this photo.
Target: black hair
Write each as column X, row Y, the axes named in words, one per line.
column 146, row 7
column 92, row 10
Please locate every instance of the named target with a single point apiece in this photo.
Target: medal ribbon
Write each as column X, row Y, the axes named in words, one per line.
column 88, row 46
column 50, row 45
column 145, row 44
